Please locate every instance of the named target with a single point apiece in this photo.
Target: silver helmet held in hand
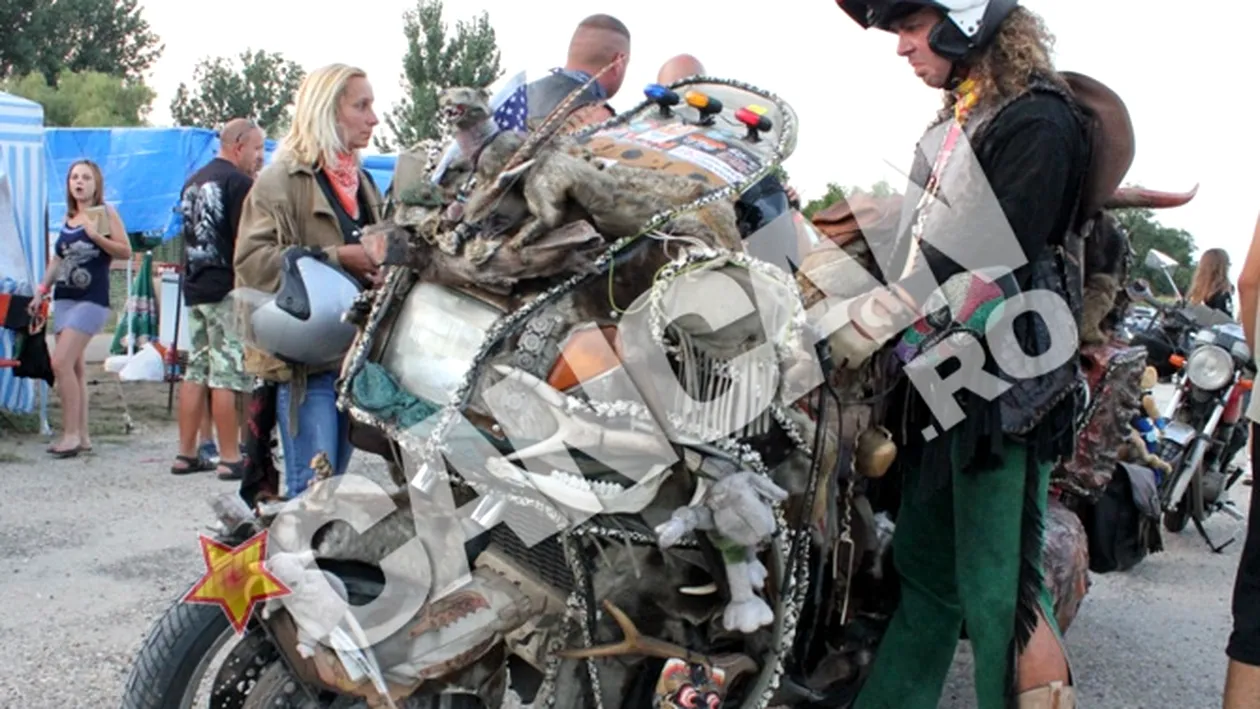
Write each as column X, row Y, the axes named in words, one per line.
column 302, row 323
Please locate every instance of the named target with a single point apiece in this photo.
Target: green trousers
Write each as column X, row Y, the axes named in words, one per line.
column 958, row 556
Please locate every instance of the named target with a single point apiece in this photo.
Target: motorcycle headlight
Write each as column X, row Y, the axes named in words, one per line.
column 1210, row 367
column 435, row 340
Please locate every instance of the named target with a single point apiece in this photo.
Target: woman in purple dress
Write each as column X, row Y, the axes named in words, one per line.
column 91, row 237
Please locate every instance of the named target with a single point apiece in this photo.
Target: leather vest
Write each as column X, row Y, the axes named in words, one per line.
column 1058, row 269
column 546, row 93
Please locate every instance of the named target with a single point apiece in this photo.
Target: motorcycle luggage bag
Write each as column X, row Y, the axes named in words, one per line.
column 1123, row 526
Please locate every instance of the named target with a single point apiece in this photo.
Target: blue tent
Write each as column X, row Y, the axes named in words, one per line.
column 145, row 169
column 22, row 201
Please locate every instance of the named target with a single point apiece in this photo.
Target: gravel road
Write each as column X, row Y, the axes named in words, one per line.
column 93, row 549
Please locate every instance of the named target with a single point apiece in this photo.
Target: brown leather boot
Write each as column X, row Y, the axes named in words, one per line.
column 1055, row 695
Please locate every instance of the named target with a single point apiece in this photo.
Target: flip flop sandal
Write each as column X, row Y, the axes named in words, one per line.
column 235, row 471
column 194, row 464
column 67, row 453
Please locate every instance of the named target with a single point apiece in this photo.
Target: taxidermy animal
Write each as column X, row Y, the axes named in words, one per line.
column 481, row 141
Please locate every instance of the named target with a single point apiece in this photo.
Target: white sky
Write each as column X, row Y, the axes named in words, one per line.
column 1183, row 73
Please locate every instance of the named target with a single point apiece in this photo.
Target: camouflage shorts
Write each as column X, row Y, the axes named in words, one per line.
column 217, row 358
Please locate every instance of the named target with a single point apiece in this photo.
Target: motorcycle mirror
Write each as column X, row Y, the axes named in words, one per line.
column 1159, row 260
column 1164, row 264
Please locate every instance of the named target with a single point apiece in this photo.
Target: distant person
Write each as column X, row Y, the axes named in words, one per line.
column 1211, row 286
column 1242, row 680
column 211, row 208
column 678, row 68
column 598, row 41
column 315, row 193
column 92, row 236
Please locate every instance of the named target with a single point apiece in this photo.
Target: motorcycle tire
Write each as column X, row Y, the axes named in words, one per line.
column 188, row 634
column 172, row 652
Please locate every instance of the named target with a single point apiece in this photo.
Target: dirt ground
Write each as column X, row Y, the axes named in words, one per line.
column 112, row 406
column 93, row 549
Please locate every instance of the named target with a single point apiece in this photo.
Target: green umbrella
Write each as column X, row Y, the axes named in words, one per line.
column 138, row 324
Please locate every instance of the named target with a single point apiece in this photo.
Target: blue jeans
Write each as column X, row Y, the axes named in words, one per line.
column 320, row 427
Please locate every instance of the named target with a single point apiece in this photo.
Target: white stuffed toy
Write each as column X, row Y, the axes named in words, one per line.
column 737, row 513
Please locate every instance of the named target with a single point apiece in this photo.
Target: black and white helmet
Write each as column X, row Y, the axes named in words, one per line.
column 972, row 23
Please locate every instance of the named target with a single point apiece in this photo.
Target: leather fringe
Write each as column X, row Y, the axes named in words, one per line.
column 1031, row 580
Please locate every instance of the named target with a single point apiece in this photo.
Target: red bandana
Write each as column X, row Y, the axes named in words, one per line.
column 344, row 176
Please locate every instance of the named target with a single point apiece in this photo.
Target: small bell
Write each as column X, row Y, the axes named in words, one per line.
column 875, row 452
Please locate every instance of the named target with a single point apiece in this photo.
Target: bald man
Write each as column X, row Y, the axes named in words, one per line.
column 211, row 206
column 597, row 41
column 678, row 68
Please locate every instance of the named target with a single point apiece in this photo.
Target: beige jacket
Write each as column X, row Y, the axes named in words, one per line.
column 285, row 207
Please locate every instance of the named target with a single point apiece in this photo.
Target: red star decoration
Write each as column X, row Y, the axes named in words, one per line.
column 236, row 579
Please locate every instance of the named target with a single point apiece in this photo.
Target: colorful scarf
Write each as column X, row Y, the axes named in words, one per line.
column 956, row 318
column 343, row 174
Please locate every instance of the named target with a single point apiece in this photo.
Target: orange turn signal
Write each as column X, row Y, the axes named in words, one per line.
column 1177, row 361
column 695, row 99
column 588, row 353
column 1246, row 384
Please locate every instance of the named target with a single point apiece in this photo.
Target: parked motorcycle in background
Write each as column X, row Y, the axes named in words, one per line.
column 1211, row 367
column 1163, row 328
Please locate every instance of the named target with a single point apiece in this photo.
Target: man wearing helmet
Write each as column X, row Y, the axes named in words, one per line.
column 969, row 531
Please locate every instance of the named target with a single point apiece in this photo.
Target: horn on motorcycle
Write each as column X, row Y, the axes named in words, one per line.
column 1140, row 198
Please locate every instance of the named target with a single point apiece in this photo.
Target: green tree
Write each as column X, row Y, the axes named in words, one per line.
column 1146, row 233
column 836, row 192
column 437, row 59
column 258, row 85
column 56, row 36
column 86, row 99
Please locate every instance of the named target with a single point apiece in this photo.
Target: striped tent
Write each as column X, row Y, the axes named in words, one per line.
column 23, row 227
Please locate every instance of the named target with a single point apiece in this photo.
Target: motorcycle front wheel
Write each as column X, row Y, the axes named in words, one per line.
column 171, row 666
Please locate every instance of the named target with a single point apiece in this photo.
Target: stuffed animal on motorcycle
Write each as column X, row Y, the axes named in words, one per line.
column 737, row 515
column 1152, row 423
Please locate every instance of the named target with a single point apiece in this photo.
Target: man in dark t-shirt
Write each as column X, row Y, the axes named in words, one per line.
column 211, row 206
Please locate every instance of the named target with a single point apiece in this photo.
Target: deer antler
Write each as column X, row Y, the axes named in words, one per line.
column 733, row 666
column 635, row 643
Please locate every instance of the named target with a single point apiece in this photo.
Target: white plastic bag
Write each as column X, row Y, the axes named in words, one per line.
column 144, row 366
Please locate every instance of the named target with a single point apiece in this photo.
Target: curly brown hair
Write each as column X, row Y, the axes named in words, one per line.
column 1020, row 51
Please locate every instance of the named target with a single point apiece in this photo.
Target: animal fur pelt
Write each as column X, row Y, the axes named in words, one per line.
column 1100, row 298
column 494, row 266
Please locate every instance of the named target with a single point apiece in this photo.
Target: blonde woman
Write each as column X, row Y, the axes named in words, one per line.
column 315, row 193
column 77, row 279
column 1211, row 286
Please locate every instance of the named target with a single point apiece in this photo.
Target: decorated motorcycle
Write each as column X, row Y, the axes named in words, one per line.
column 625, row 473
